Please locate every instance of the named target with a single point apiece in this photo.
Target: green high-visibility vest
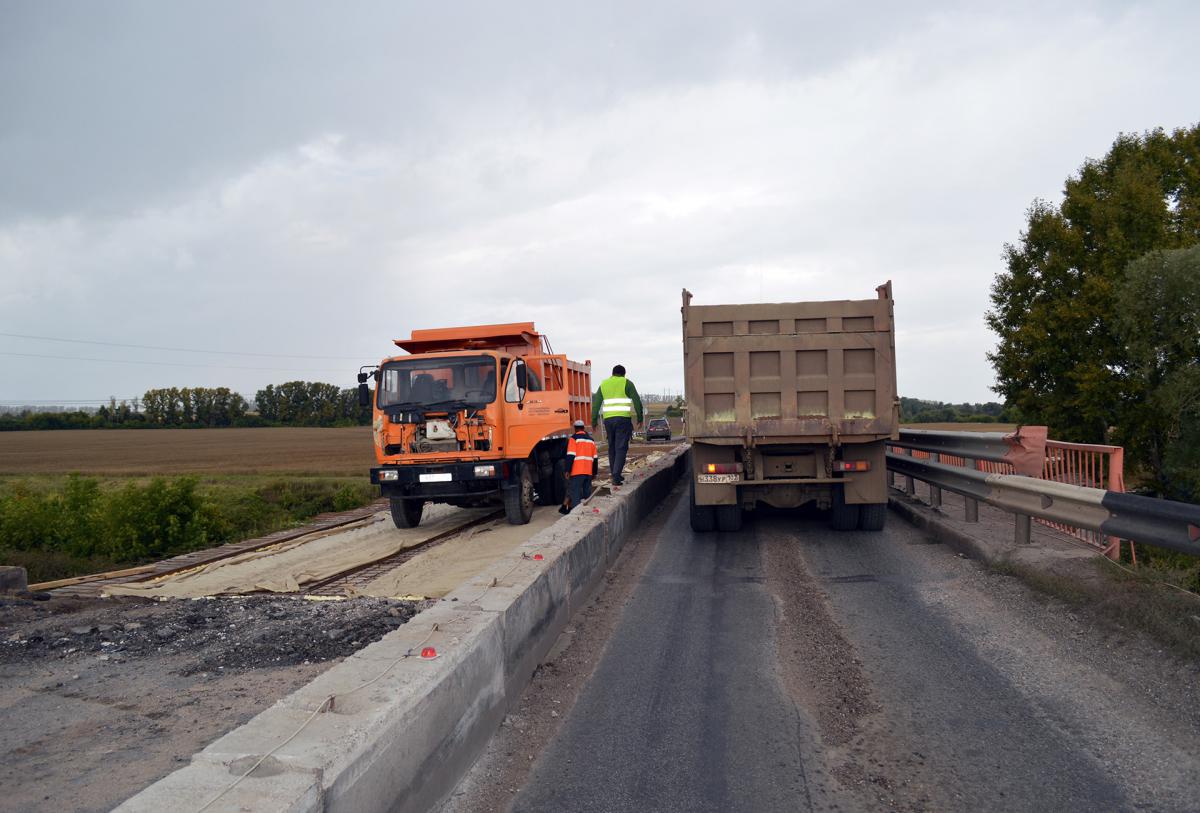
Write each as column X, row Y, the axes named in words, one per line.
column 616, row 403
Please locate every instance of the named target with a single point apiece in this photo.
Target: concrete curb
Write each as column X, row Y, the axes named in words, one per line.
column 1045, row 552
column 402, row 731
column 924, row 518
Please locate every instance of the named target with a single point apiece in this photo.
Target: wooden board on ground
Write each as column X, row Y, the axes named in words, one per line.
column 289, row 566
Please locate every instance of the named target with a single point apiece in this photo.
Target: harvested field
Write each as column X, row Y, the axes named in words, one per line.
column 150, row 452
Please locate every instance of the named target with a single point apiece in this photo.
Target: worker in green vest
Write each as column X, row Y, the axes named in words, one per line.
column 617, row 401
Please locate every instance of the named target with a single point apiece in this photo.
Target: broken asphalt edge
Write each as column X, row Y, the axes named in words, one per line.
column 402, row 730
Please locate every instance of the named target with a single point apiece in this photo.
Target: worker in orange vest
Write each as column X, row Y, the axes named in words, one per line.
column 581, row 467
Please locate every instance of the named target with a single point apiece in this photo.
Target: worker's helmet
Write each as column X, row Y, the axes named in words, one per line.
column 578, row 424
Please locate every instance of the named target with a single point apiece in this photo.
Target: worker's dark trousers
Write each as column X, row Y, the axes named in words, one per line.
column 619, row 431
column 579, row 489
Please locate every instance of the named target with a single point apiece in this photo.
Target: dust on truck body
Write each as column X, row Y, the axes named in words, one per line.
column 472, row 416
column 790, row 403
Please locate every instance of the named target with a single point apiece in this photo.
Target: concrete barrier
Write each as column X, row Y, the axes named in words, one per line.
column 388, row 730
column 13, row 579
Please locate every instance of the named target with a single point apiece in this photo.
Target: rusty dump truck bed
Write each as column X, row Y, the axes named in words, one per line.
column 798, row 372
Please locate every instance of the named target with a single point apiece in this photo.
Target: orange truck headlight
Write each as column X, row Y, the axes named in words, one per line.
column 852, row 465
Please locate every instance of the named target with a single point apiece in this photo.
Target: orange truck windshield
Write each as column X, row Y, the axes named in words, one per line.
column 424, row 382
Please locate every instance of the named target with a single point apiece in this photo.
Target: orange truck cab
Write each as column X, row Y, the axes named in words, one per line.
column 474, row 416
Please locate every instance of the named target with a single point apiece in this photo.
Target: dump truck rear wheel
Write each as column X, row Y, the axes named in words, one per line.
column 872, row 516
column 729, row 518
column 407, row 513
column 844, row 516
column 704, row 518
column 518, row 501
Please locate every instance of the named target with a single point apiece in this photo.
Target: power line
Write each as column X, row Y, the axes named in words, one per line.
column 182, row 349
column 172, row 363
column 55, row 401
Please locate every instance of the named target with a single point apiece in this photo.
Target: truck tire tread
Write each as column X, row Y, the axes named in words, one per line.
column 729, row 518
column 872, row 516
column 843, row 516
column 406, row 513
column 703, row 517
column 518, row 501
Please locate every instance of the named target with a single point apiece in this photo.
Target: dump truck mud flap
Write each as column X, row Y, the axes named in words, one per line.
column 709, row 493
column 868, row 486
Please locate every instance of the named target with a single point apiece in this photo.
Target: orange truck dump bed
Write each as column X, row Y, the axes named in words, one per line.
column 473, row 415
column 790, row 403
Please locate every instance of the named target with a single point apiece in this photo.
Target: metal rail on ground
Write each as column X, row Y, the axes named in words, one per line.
column 368, row 571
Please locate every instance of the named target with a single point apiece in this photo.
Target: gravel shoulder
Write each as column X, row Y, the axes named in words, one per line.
column 99, row 698
column 981, row 693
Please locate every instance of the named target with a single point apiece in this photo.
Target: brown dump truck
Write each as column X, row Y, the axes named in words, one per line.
column 790, row 403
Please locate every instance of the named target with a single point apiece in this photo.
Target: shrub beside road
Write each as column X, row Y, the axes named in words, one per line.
column 86, row 501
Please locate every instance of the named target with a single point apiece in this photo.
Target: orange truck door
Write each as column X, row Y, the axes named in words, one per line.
column 542, row 411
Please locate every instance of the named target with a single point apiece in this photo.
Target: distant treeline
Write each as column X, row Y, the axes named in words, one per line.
column 296, row 403
column 917, row 410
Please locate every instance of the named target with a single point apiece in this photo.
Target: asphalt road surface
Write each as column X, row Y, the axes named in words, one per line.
column 789, row 667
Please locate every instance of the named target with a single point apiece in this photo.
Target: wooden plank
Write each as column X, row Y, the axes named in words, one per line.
column 112, row 574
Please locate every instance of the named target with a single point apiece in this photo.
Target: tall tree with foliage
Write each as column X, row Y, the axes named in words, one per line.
column 1159, row 326
column 1060, row 359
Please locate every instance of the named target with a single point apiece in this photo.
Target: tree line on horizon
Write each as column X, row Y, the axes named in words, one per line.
column 294, row 403
column 919, row 410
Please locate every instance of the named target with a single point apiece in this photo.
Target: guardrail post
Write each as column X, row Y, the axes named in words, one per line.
column 972, row 505
column 935, row 493
column 1023, row 529
column 910, row 487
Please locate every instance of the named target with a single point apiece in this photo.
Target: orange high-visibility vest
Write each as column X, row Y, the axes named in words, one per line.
column 584, row 449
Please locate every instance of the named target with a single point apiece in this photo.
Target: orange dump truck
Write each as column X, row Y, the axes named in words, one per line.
column 472, row 416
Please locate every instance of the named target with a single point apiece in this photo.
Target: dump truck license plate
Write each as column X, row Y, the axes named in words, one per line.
column 436, row 478
column 718, row 478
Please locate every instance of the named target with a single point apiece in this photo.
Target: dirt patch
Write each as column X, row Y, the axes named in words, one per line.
column 100, row 698
column 823, row 673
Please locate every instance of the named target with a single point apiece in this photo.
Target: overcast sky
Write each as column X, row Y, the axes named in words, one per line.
column 309, row 181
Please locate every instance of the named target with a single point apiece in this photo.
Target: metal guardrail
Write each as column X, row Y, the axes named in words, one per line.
column 1021, row 452
column 1164, row 523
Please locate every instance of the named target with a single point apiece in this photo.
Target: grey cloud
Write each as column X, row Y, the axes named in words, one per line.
column 285, row 178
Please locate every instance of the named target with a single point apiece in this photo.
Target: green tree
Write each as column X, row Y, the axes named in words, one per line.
column 1060, row 360
column 1158, row 321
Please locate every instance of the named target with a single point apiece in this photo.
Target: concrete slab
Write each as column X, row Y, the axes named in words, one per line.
column 13, row 579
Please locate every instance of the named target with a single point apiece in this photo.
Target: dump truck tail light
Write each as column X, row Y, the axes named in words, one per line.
column 852, row 465
column 723, row 468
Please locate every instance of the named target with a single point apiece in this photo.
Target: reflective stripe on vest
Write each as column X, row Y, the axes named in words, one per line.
column 616, row 403
column 584, row 450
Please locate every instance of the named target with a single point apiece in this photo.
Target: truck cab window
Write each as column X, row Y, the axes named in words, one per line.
column 512, row 393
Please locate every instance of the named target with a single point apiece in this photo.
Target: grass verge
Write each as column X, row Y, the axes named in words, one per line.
column 60, row 526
